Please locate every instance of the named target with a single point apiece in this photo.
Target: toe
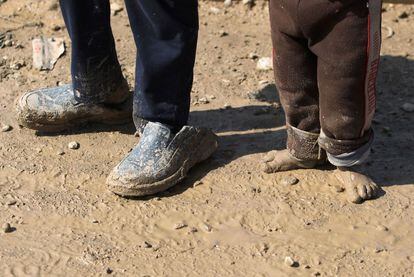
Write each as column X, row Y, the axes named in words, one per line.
column 370, row 191
column 362, row 191
column 375, row 189
column 270, row 167
column 353, row 195
column 268, row 157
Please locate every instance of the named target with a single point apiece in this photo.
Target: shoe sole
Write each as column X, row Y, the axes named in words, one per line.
column 114, row 117
column 207, row 146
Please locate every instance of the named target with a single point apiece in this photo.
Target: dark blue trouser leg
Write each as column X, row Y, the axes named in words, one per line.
column 165, row 33
column 96, row 73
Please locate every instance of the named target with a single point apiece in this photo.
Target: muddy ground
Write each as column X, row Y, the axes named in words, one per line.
column 236, row 220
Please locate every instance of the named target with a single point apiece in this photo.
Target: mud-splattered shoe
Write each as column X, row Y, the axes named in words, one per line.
column 56, row 109
column 161, row 159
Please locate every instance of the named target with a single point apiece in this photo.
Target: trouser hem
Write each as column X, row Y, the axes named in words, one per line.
column 303, row 145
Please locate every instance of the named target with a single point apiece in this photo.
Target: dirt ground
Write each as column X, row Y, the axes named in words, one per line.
column 236, row 221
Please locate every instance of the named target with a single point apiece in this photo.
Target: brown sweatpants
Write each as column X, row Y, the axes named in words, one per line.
column 326, row 56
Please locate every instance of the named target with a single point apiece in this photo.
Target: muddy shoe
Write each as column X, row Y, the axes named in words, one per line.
column 358, row 186
column 161, row 159
column 56, row 109
column 276, row 161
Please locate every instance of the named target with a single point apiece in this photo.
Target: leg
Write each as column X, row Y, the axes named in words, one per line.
column 165, row 33
column 98, row 93
column 166, row 37
column 96, row 73
column 346, row 75
column 295, row 73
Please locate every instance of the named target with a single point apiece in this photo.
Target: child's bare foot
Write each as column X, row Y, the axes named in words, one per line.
column 358, row 186
column 276, row 161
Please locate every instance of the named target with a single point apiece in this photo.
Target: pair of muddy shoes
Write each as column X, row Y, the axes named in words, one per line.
column 357, row 185
column 160, row 160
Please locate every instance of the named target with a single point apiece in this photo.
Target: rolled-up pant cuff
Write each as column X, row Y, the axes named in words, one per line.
column 303, row 145
column 347, row 153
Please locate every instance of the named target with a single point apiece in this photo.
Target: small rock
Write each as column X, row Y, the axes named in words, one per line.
column 290, row 262
column 289, row 181
column 56, row 28
column 382, row 228
column 11, row 202
column 223, row 33
column 264, row 64
column 253, row 56
column 214, row 10
column 249, row 3
column 60, row 153
column 116, row 8
column 7, row 228
column 227, row 3
column 73, row 145
column 193, row 230
column 206, row 227
column 204, row 100
column 109, row 271
column 227, row 106
column 95, row 221
column 16, row 65
column 408, row 107
column 6, row 128
column 180, row 225
column 146, row 244
column 379, row 249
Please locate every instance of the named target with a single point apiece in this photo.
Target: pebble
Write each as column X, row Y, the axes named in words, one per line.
column 379, row 249
column 382, row 228
column 8, row 43
column 253, row 56
column 227, row 3
column 290, row 262
column 116, row 8
column 180, row 225
column 264, row 64
column 214, row 10
column 193, row 230
column 7, row 228
column 6, row 128
column 11, row 202
column 249, row 3
column 60, row 153
column 204, row 100
column 289, row 181
column 408, row 107
column 227, row 106
column 73, row 145
column 223, row 33
column 146, row 244
column 207, row 227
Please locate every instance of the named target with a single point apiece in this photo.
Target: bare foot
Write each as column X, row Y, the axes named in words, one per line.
column 358, row 186
column 276, row 161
